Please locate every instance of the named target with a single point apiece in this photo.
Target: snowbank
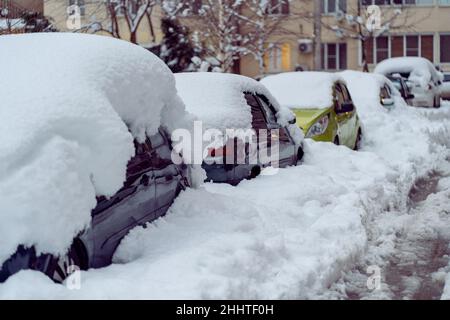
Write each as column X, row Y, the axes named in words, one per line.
column 302, row 90
column 420, row 70
column 289, row 235
column 67, row 107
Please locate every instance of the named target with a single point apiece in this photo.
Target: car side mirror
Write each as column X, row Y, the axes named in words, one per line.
column 293, row 121
column 346, row 107
column 388, row 102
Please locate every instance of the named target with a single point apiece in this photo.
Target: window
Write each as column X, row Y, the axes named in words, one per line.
column 382, row 48
column 268, row 110
column 445, row 48
column 340, row 98
column 334, row 6
column 278, row 58
column 412, row 46
column 258, row 118
column 385, row 47
column 274, row 57
column 385, row 92
column 334, row 56
column 396, row 2
column 81, row 4
column 278, row 7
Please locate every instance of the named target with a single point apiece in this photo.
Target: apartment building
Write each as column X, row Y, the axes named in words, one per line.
column 418, row 28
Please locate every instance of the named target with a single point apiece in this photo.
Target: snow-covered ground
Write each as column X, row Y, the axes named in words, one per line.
column 298, row 234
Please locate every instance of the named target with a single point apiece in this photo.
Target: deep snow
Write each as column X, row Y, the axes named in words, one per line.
column 70, row 109
column 289, row 235
column 303, row 90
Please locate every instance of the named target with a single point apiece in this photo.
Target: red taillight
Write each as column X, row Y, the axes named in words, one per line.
column 220, row 152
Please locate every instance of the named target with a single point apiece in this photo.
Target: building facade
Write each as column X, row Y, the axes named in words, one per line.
column 417, row 28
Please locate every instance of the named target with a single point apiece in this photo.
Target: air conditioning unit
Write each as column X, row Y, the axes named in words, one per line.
column 339, row 15
column 305, row 45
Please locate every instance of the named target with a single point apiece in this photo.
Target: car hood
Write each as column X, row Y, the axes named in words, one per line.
column 307, row 117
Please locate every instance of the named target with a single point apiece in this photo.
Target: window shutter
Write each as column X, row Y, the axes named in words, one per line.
column 286, row 57
column 427, row 47
column 267, row 60
column 397, row 46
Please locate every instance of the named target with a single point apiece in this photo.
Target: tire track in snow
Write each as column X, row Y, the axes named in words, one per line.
column 412, row 252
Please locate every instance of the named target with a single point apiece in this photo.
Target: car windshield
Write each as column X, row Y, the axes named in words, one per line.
column 396, row 82
column 404, row 75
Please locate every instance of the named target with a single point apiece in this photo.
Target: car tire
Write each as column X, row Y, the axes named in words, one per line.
column 358, row 141
column 336, row 141
column 300, row 154
column 256, row 171
column 23, row 259
column 27, row 259
column 437, row 104
column 61, row 267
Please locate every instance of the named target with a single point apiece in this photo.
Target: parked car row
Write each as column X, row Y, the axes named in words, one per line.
column 279, row 107
column 420, row 76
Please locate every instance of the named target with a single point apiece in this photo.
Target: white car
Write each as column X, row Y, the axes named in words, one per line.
column 445, row 88
column 372, row 91
column 421, row 75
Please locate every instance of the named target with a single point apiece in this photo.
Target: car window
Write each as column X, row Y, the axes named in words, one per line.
column 258, row 117
column 447, row 77
column 346, row 93
column 340, row 99
column 385, row 92
column 156, row 140
column 268, row 109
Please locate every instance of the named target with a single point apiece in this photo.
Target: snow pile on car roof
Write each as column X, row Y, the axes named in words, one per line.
column 218, row 100
column 302, row 90
column 365, row 90
column 420, row 70
column 68, row 103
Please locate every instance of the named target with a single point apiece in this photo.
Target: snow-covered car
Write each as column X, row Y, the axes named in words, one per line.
column 225, row 102
column 402, row 86
column 322, row 104
column 372, row 90
column 421, row 74
column 85, row 155
column 445, row 88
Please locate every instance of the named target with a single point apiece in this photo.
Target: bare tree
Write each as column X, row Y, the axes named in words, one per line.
column 17, row 19
column 113, row 12
column 263, row 22
column 365, row 23
column 231, row 29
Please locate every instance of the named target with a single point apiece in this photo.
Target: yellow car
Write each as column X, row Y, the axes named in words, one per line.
column 322, row 104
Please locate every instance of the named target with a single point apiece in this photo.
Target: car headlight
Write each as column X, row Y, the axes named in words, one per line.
column 319, row 127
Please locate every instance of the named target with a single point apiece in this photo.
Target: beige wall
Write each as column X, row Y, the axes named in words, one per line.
column 429, row 19
column 96, row 11
column 432, row 20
